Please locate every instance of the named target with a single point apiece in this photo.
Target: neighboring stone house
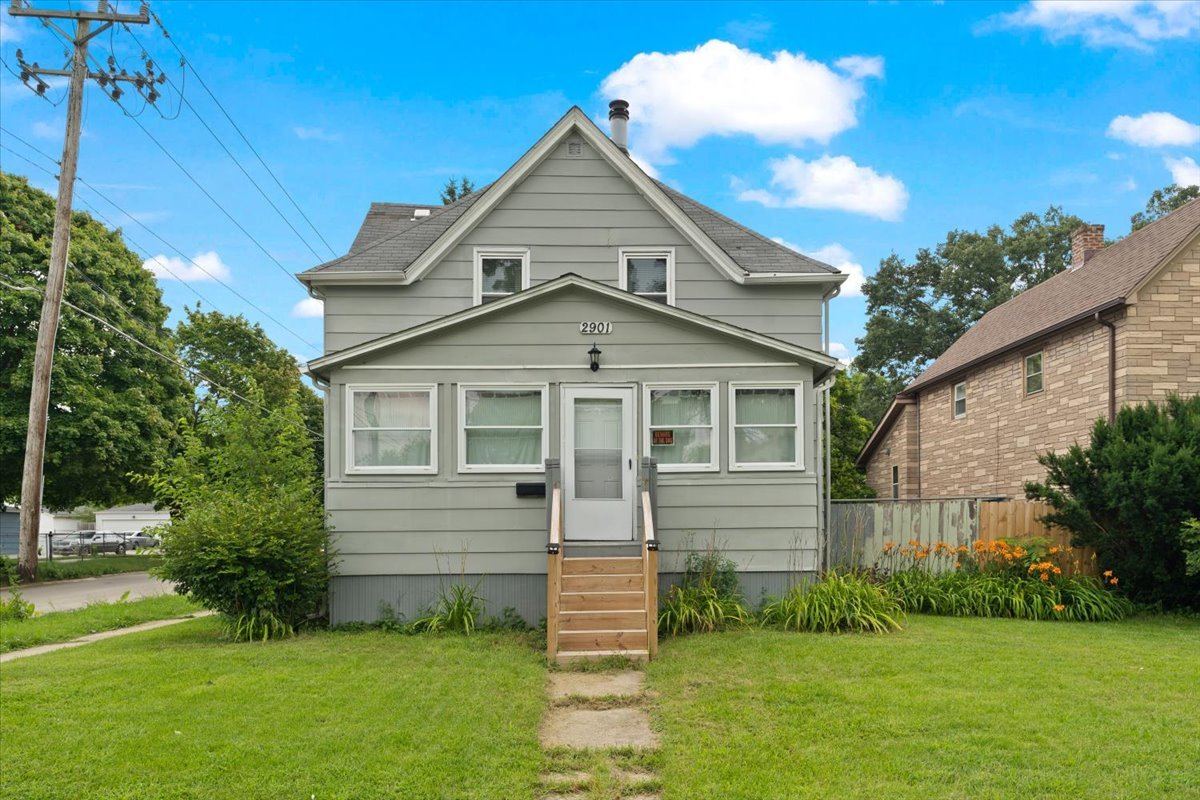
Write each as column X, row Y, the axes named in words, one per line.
column 1122, row 325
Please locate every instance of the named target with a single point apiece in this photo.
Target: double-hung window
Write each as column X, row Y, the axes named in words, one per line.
column 502, row 428
column 649, row 274
column 500, row 272
column 766, row 427
column 1033, row 373
column 960, row 400
column 391, row 429
column 680, row 430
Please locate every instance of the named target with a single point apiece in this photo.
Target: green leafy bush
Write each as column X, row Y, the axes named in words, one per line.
column 16, row 607
column 839, row 601
column 707, row 598
column 1189, row 536
column 1128, row 494
column 981, row 594
column 457, row 609
column 258, row 557
column 711, row 566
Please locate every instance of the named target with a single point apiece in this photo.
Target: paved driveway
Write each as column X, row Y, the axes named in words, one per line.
column 68, row 595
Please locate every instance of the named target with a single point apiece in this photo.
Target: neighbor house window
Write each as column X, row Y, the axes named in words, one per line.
column 502, row 428
column 766, row 427
column 499, row 273
column 960, row 400
column 895, row 482
column 392, row 429
column 1033, row 373
column 649, row 274
column 680, row 427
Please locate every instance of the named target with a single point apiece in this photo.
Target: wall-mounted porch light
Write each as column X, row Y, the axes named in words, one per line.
column 594, row 355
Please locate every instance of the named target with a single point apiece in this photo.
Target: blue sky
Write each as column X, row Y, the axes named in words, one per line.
column 846, row 130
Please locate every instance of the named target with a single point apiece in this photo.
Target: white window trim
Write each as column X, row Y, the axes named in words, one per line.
column 496, row 252
column 432, row 468
column 648, row 252
column 777, row 466
column 954, row 400
column 714, row 414
column 1025, row 373
column 463, row 466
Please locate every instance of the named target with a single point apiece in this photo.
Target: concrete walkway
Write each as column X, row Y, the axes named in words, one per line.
column 73, row 594
column 595, row 718
column 96, row 637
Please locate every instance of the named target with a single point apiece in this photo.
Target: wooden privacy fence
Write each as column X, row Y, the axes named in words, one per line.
column 859, row 529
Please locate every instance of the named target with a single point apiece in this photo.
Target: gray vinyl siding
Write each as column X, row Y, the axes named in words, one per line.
column 450, row 523
column 574, row 215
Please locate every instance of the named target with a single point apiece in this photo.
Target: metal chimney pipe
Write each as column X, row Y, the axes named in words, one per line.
column 618, row 120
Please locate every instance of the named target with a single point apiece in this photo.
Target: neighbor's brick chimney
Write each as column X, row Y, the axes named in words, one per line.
column 1086, row 241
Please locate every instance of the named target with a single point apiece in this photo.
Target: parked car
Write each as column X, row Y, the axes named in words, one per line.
column 139, row 540
column 94, row 543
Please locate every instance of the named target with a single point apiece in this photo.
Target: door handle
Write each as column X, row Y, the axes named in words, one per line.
column 631, row 463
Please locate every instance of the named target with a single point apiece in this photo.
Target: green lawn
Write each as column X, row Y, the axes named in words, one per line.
column 62, row 626
column 179, row 713
column 948, row 708
column 108, row 564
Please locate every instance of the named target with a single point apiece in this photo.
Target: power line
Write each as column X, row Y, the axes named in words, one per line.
column 185, row 60
column 170, row 359
column 146, row 251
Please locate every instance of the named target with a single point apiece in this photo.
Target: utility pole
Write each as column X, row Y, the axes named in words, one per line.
column 43, row 360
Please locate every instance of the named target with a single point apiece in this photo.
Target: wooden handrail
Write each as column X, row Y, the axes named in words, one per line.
column 650, row 573
column 554, row 572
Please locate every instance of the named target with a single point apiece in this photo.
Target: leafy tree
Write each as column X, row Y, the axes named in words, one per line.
column 249, row 538
column 454, row 191
column 113, row 405
column 1163, row 202
column 1128, row 495
column 238, row 354
column 915, row 310
column 849, row 430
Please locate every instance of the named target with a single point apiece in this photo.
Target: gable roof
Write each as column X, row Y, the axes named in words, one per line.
column 391, row 243
column 1107, row 280
column 320, row 366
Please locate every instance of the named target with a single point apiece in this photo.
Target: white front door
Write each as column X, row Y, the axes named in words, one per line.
column 598, row 463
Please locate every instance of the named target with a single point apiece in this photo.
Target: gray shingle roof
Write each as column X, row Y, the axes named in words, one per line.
column 390, row 240
column 1107, row 279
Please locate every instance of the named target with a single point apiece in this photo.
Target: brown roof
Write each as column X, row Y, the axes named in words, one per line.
column 1107, row 279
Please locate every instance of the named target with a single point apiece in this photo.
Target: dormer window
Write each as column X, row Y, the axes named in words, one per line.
column 499, row 273
column 649, row 274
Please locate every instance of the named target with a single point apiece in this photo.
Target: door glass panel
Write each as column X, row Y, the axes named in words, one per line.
column 597, row 448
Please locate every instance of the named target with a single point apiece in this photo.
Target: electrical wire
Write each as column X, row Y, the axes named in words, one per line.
column 170, row 359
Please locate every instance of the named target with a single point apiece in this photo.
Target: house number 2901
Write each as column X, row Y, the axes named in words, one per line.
column 593, row 328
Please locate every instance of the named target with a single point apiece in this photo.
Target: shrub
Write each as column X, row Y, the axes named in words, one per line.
column 16, row 607
column 457, row 609
column 839, row 601
column 980, row 594
column 1128, row 494
column 1189, row 537
column 258, row 557
column 713, row 567
column 707, row 598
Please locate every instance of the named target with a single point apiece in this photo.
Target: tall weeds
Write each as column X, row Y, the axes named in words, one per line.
column 838, row 602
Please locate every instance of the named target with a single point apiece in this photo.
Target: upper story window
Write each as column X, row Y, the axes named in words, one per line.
column 765, row 432
column 391, row 429
column 1033, row 373
column 960, row 400
column 500, row 272
column 649, row 274
column 680, row 427
column 502, row 428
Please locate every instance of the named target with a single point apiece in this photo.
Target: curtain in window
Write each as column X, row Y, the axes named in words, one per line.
column 503, row 427
column 765, row 429
column 391, row 429
column 391, row 409
column 676, row 410
column 391, row 448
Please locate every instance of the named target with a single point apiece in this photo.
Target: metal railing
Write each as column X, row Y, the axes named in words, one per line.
column 89, row 544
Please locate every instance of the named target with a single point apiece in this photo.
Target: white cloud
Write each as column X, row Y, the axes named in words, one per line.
column 1184, row 171
column 840, row 352
column 837, row 256
column 315, row 134
column 207, row 267
column 1154, row 129
column 9, row 33
column 646, row 166
column 1107, row 23
column 46, row 130
column 308, row 307
column 719, row 89
column 1128, row 185
column 831, row 182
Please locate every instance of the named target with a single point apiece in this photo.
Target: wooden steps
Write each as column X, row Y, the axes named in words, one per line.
column 601, row 609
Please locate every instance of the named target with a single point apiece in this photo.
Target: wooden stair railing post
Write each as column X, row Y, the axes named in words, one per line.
column 553, row 572
column 650, row 552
